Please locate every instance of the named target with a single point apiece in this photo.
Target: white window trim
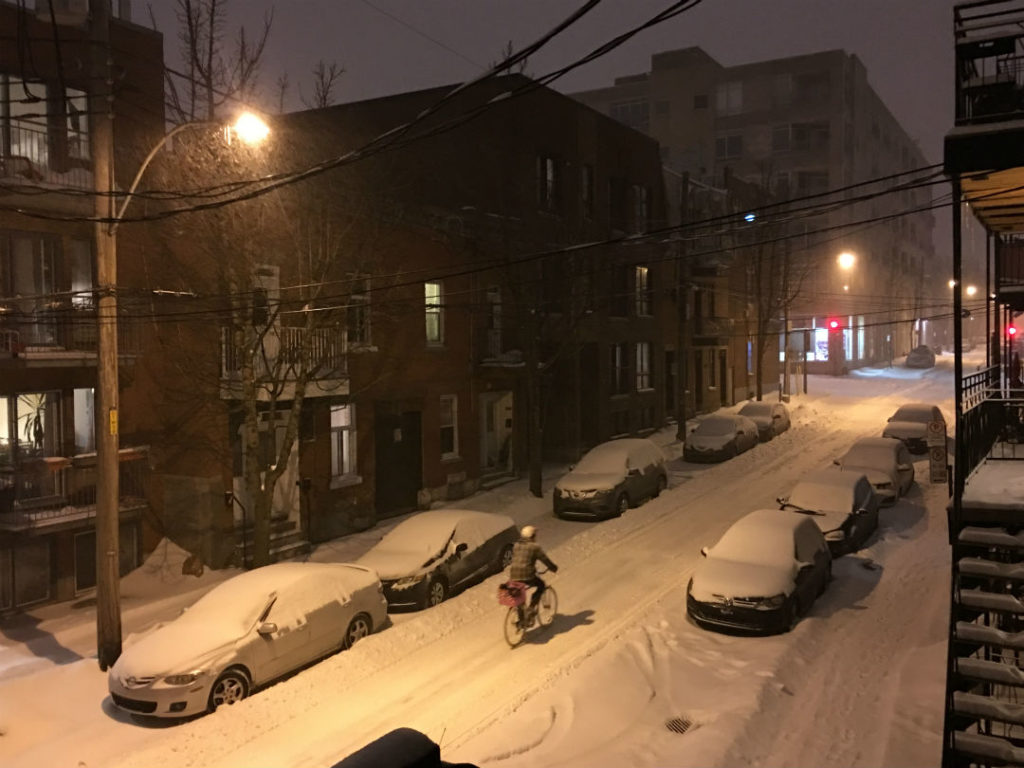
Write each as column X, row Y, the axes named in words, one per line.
column 352, row 477
column 435, row 308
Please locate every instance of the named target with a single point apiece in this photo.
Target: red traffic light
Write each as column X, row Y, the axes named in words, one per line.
column 833, row 324
column 1011, row 331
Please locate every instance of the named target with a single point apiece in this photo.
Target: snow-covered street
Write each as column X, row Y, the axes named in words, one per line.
column 858, row 682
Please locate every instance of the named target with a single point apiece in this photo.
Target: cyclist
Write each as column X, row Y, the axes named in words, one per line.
column 525, row 554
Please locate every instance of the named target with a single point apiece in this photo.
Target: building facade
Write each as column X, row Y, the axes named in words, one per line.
column 798, row 128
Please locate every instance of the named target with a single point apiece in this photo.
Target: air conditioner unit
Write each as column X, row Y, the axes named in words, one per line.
column 65, row 12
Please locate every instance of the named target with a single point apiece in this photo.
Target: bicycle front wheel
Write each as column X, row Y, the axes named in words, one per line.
column 548, row 607
column 513, row 630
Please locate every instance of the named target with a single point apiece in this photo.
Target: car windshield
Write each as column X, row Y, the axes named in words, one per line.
column 603, row 459
column 236, row 602
column 760, row 544
column 922, row 413
column 756, row 409
column 716, row 426
column 822, row 497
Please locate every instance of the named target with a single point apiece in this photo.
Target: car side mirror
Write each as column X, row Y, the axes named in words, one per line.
column 903, row 467
column 267, row 628
column 461, row 548
column 704, row 551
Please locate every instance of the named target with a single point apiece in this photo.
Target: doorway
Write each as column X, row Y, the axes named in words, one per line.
column 496, row 409
column 398, row 459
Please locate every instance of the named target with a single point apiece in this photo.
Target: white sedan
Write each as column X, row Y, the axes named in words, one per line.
column 886, row 463
column 245, row 632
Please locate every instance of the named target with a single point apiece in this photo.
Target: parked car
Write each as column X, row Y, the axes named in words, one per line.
column 610, row 478
column 423, row 559
column 921, row 357
column 245, row 632
column 771, row 418
column 885, row 461
column 910, row 425
column 763, row 574
column 842, row 504
column 718, row 438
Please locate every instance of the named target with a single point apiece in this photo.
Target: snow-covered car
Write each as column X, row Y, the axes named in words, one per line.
column 842, row 504
column 763, row 574
column 910, row 425
column 886, row 463
column 245, row 632
column 423, row 559
column 921, row 357
column 610, row 478
column 771, row 418
column 718, row 438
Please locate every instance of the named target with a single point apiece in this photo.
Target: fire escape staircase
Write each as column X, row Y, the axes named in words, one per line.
column 986, row 688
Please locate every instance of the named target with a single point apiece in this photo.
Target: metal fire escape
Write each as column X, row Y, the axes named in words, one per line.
column 984, row 158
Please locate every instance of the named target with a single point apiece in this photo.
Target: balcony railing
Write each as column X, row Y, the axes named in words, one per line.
column 59, row 329
column 989, row 61
column 282, row 347
column 53, row 490
column 993, row 415
column 31, row 160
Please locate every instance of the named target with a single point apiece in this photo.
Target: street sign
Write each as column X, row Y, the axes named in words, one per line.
column 937, row 462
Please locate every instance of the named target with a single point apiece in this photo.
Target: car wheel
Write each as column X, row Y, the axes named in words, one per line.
column 661, row 486
column 621, row 504
column 437, row 591
column 231, row 687
column 358, row 628
column 505, row 558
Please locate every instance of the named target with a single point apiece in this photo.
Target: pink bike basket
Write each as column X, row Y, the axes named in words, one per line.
column 512, row 593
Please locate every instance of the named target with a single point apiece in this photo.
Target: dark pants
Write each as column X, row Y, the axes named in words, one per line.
column 537, row 582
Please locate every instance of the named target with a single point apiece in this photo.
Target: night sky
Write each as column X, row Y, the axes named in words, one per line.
column 390, row 46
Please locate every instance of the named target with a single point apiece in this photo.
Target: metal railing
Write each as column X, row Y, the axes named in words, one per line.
column 38, row 493
column 60, row 329
column 30, row 159
column 282, row 353
column 989, row 61
column 991, row 415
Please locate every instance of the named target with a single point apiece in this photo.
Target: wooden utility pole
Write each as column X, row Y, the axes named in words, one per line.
column 101, row 129
column 681, row 307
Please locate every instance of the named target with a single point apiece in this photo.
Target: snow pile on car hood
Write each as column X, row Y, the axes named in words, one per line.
column 732, row 579
column 590, row 481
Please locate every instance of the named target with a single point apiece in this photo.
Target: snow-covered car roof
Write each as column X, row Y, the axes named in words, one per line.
column 755, row 408
column 764, row 537
column 614, row 455
column 720, row 425
column 872, row 451
column 427, row 532
column 923, row 412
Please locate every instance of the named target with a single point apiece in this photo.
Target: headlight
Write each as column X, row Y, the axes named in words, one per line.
column 407, row 582
column 775, row 601
column 186, row 679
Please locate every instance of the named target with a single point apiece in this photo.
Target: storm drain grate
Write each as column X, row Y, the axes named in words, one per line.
column 678, row 724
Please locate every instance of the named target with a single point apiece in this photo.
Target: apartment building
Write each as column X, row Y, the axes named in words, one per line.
column 796, row 128
column 48, row 331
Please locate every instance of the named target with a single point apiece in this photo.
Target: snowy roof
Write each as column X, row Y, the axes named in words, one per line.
column 914, row 412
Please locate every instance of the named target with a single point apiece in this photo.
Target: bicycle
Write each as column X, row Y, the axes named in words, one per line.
column 521, row 617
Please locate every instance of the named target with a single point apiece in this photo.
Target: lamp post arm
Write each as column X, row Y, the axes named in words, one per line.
column 119, row 214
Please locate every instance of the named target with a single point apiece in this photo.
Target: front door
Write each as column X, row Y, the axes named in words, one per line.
column 399, row 465
column 496, row 431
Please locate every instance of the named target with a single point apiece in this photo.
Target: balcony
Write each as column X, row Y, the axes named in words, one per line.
column 31, row 160
column 280, row 362
column 53, row 491
column 58, row 334
column 989, row 61
column 992, row 434
column 712, row 327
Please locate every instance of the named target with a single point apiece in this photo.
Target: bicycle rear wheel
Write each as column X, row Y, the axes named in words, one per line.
column 513, row 630
column 548, row 607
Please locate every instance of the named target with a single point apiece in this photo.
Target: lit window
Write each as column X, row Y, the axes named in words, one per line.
column 433, row 292
column 548, row 183
column 642, row 279
column 449, row 418
column 343, row 441
column 643, row 365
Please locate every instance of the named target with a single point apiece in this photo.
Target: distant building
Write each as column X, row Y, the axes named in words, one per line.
column 797, row 127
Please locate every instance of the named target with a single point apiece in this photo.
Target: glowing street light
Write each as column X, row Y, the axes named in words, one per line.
column 971, row 290
column 952, row 283
column 846, row 260
column 250, row 128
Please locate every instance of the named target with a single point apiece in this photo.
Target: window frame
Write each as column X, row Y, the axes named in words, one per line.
column 449, row 423
column 357, row 313
column 434, row 309
column 642, row 290
column 643, row 373
column 343, row 441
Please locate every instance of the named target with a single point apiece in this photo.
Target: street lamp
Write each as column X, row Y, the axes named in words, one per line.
column 110, row 209
column 846, row 260
column 971, row 290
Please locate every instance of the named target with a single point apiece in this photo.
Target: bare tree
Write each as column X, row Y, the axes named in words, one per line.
column 325, row 78
column 216, row 72
column 282, row 85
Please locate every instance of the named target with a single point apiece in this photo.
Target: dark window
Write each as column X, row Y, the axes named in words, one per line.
column 621, row 293
column 620, row 369
column 357, row 313
column 587, row 189
column 811, row 86
column 728, row 146
column 617, row 203
column 260, row 308
column 620, row 422
column 636, row 114
column 810, row 136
